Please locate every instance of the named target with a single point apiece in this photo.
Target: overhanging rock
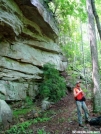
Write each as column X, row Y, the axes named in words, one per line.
column 28, row 33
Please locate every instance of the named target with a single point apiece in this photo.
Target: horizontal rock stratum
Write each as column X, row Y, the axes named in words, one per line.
column 28, row 33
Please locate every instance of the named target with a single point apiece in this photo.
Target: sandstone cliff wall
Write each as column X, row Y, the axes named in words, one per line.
column 28, row 35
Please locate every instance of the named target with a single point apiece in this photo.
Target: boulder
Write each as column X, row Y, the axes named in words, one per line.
column 5, row 114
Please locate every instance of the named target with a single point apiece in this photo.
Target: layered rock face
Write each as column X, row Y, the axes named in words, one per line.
column 28, row 35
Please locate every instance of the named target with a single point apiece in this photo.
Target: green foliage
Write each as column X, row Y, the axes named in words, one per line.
column 28, row 101
column 44, row 119
column 53, row 86
column 49, row 113
column 16, row 113
column 20, row 129
column 69, row 51
column 21, row 112
column 71, row 8
column 42, row 131
column 68, row 7
column 88, row 93
column 61, row 120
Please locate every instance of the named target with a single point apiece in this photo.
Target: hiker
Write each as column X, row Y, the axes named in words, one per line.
column 80, row 103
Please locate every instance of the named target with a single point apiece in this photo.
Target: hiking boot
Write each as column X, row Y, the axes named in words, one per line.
column 80, row 125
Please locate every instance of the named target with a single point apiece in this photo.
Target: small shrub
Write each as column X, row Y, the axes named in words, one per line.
column 53, row 85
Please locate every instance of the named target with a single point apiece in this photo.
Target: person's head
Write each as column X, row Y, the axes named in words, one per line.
column 78, row 83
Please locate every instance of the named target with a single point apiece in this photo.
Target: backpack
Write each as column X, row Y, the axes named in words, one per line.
column 95, row 121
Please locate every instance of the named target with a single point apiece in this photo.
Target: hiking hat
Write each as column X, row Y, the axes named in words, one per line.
column 78, row 82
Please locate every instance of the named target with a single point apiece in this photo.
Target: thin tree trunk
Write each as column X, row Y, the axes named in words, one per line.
column 94, row 56
column 96, row 17
column 83, row 56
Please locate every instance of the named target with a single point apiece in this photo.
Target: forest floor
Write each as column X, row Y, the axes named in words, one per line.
column 63, row 119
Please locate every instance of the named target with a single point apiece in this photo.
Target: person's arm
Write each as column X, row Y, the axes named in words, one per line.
column 77, row 93
column 82, row 92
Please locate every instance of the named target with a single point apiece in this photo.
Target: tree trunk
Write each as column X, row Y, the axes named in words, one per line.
column 83, row 55
column 96, row 17
column 94, row 56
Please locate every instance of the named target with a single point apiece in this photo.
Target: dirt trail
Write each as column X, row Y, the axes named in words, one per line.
column 65, row 120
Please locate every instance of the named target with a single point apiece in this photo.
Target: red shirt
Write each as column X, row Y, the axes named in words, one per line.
column 80, row 95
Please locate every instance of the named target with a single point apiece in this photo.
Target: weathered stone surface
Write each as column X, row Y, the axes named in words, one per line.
column 14, row 65
column 13, row 90
column 14, row 75
column 33, row 90
column 29, row 18
column 28, row 54
column 28, row 33
column 2, row 89
column 5, row 114
column 47, row 46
